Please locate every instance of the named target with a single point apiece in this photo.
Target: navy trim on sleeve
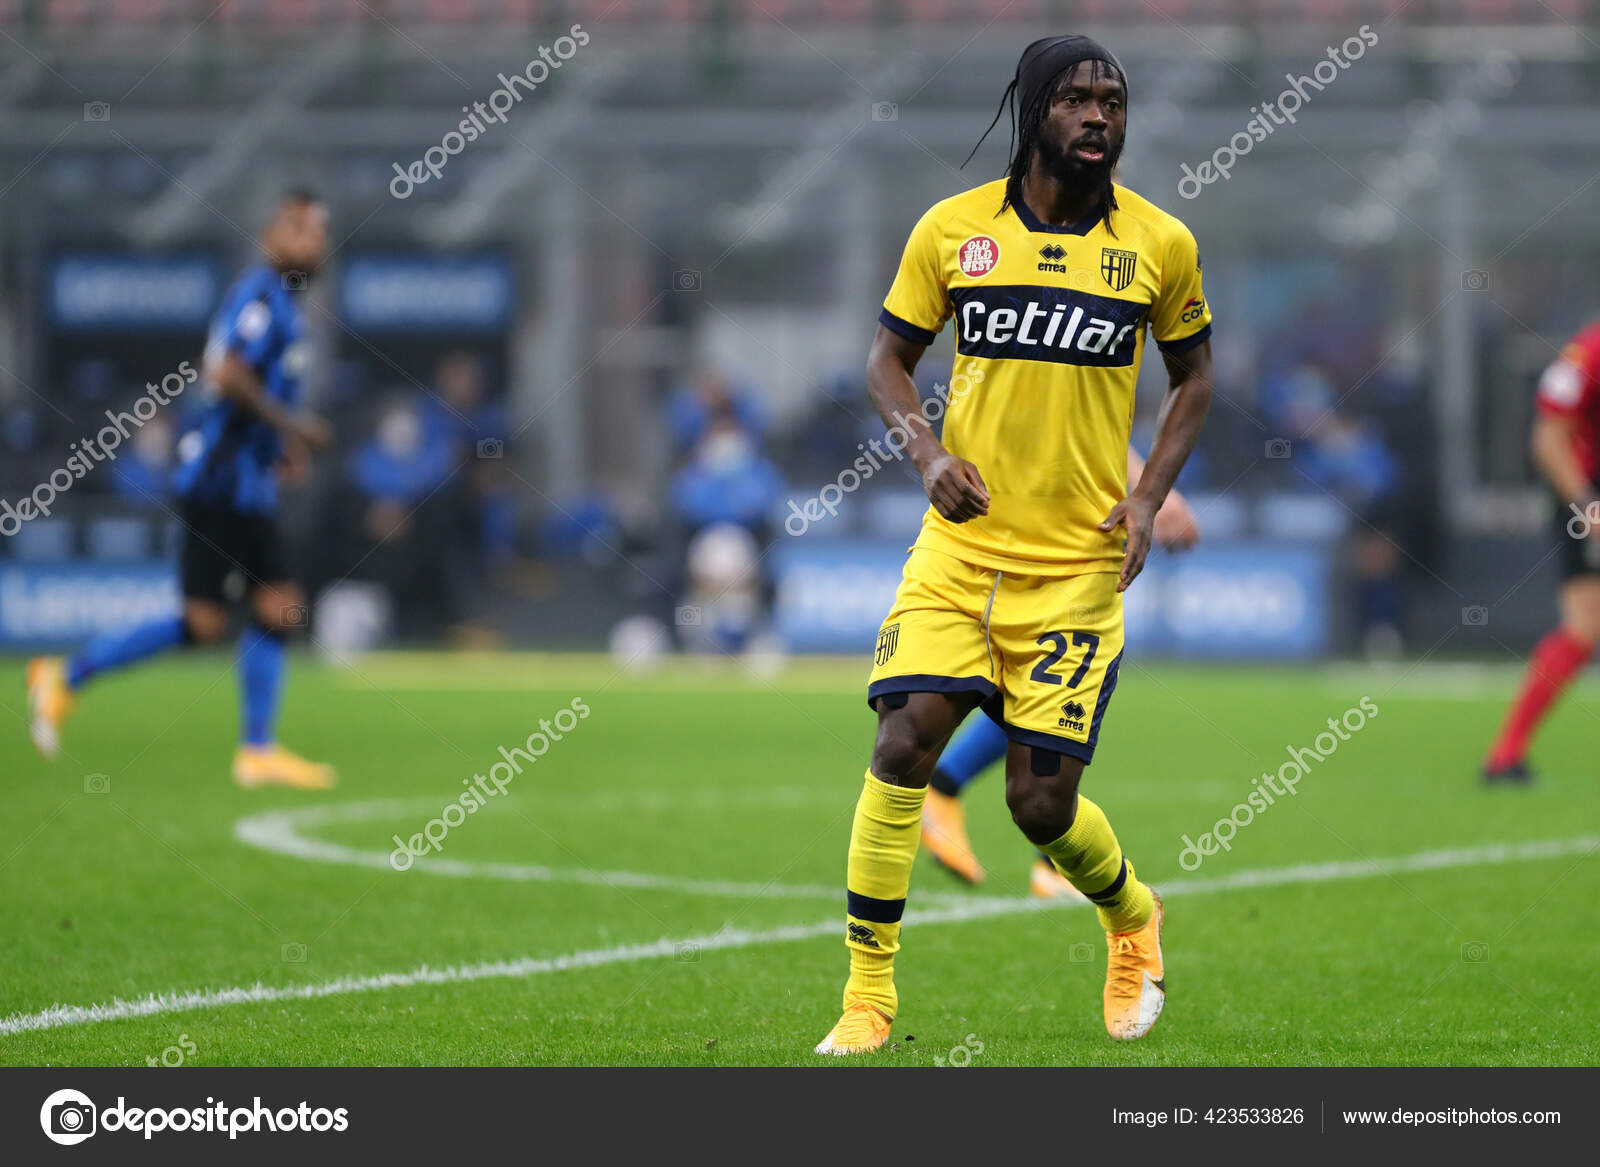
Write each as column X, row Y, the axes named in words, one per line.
column 905, row 328
column 1184, row 344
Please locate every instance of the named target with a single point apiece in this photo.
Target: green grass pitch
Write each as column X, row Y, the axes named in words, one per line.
column 720, row 806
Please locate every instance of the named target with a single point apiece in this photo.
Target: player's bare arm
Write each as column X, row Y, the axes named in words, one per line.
column 1552, row 449
column 954, row 486
column 1183, row 412
column 239, row 383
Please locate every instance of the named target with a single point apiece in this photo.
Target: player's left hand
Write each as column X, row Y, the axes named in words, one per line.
column 1138, row 517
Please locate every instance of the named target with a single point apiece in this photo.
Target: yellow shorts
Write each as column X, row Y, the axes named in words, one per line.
column 1041, row 651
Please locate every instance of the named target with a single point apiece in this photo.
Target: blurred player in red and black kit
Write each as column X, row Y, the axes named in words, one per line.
column 1566, row 448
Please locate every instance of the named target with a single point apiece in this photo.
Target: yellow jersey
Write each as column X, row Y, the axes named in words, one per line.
column 1050, row 325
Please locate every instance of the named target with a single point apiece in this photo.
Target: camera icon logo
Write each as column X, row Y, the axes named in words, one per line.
column 1278, row 448
column 491, row 448
column 688, row 952
column 885, row 111
column 1475, row 616
column 295, row 281
column 97, row 111
column 686, row 280
column 67, row 1117
column 1475, row 280
column 688, row 616
column 294, row 615
column 1475, row 952
column 97, row 784
column 1081, row 953
column 293, row 953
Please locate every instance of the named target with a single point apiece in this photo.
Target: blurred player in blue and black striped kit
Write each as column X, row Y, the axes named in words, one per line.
column 250, row 432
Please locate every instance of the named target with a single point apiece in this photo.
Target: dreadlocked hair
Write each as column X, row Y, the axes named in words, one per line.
column 1029, row 120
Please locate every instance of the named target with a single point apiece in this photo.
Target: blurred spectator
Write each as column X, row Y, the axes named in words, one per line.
column 405, row 530
column 727, row 479
column 461, row 411
column 142, row 471
column 462, row 415
column 400, row 464
column 1348, row 459
column 692, row 408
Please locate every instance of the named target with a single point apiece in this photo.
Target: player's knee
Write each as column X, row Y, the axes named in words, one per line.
column 1039, row 812
column 1582, row 622
column 894, row 754
column 1580, row 610
column 1043, row 797
column 280, row 610
column 902, row 749
column 204, row 623
column 1584, row 631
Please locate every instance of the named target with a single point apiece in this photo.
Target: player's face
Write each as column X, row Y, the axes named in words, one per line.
column 1083, row 128
column 298, row 237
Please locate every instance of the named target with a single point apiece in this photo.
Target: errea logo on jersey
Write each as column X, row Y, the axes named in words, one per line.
column 1040, row 323
column 978, row 256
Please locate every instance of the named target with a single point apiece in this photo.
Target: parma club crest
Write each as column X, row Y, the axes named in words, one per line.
column 888, row 641
column 1117, row 267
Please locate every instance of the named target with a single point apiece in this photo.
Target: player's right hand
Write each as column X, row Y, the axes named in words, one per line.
column 955, row 488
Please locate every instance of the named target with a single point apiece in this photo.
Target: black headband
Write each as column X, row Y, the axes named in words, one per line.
column 1042, row 63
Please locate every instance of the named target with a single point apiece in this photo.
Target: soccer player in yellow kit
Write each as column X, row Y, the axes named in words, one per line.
column 1011, row 599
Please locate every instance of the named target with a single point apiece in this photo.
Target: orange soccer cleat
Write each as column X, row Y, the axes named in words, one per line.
column 258, row 766
column 1136, row 987
column 944, row 834
column 861, row 1030
column 49, row 702
column 1047, row 883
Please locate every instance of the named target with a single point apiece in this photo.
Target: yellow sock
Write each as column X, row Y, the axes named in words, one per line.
column 883, row 843
column 1092, row 861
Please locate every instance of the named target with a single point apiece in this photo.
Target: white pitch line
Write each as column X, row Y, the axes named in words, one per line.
column 57, row 1016
column 280, row 832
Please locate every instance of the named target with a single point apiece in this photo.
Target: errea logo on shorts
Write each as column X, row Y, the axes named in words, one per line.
column 978, row 256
